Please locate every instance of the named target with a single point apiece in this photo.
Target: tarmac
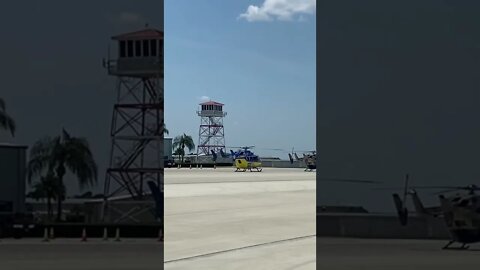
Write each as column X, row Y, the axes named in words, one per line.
column 372, row 254
column 221, row 219
column 72, row 254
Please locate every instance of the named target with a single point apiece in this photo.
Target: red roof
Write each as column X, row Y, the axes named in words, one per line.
column 142, row 34
column 212, row 103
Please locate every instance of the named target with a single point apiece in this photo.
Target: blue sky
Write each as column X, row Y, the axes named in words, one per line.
column 260, row 65
column 52, row 75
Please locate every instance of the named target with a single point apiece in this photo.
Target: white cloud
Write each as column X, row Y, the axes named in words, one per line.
column 128, row 18
column 204, row 99
column 283, row 10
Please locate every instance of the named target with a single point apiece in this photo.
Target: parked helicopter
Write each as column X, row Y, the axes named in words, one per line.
column 246, row 160
column 309, row 158
column 461, row 212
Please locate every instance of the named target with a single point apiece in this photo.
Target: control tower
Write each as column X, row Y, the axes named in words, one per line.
column 211, row 134
column 136, row 155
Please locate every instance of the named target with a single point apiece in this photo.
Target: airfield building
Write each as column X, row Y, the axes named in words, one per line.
column 168, row 149
column 12, row 178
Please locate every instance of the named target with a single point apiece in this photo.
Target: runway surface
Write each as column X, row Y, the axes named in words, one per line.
column 72, row 254
column 358, row 254
column 220, row 219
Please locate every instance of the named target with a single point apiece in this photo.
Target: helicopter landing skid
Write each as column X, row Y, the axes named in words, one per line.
column 463, row 247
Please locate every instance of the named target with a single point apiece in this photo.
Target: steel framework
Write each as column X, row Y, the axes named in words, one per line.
column 137, row 137
column 211, row 134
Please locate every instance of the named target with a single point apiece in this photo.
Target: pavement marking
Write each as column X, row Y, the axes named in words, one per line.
column 240, row 248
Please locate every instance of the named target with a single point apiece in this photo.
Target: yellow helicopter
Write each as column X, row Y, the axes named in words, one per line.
column 245, row 159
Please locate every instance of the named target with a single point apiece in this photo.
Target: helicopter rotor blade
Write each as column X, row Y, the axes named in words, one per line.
column 349, row 180
column 444, row 191
column 472, row 187
column 389, row 188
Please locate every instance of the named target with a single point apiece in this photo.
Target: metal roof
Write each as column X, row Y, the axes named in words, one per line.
column 149, row 33
column 10, row 145
column 212, row 103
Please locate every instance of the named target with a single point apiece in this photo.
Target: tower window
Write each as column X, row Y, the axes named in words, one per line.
column 160, row 47
column 146, row 51
column 153, row 47
column 138, row 48
column 123, row 49
column 130, row 48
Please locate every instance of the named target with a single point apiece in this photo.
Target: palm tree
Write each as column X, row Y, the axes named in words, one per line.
column 47, row 188
column 182, row 141
column 6, row 122
column 56, row 155
column 179, row 152
column 165, row 130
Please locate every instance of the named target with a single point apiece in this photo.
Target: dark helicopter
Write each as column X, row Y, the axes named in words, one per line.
column 309, row 159
column 461, row 211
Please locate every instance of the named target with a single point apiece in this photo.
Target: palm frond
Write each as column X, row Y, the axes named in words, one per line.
column 7, row 122
column 65, row 135
column 188, row 142
column 177, row 141
column 79, row 160
column 164, row 128
column 41, row 157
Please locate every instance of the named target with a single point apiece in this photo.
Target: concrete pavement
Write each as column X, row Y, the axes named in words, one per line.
column 220, row 219
column 391, row 254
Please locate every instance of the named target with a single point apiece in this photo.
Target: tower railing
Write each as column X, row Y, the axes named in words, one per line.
column 211, row 113
column 145, row 66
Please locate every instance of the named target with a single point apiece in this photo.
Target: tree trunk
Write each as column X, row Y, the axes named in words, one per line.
column 183, row 152
column 49, row 208
column 59, row 207
column 59, row 198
